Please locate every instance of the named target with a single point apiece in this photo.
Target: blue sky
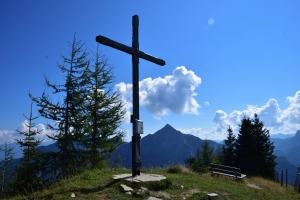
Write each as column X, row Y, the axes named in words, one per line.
column 224, row 60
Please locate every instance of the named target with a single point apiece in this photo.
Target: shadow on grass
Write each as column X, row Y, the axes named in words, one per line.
column 95, row 190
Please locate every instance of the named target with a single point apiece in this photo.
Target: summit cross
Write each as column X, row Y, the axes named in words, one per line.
column 137, row 125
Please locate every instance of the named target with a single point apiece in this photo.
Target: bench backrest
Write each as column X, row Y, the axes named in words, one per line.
column 225, row 169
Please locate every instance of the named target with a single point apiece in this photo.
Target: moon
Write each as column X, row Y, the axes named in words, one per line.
column 211, row 21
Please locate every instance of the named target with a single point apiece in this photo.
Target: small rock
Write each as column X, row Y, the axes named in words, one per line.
column 213, row 196
column 181, row 186
column 164, row 194
column 153, row 198
column 126, row 188
column 142, row 191
column 73, row 195
column 143, row 188
column 128, row 192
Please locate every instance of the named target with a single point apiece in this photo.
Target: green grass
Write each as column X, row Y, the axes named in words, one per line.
column 101, row 185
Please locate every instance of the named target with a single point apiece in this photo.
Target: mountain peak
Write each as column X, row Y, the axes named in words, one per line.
column 297, row 134
column 168, row 126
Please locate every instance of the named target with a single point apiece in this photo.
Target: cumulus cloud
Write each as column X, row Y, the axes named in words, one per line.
column 174, row 93
column 220, row 119
column 275, row 119
column 10, row 136
column 6, row 136
column 202, row 134
column 292, row 113
column 269, row 114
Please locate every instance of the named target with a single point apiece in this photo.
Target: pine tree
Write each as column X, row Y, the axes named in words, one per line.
column 6, row 170
column 253, row 149
column 203, row 157
column 68, row 127
column 27, row 173
column 228, row 148
column 190, row 161
column 218, row 157
column 244, row 147
column 264, row 148
column 103, row 111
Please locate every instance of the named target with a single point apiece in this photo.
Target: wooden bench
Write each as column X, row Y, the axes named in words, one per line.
column 226, row 171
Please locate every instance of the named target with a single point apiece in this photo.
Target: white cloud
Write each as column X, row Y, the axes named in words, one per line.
column 269, row 114
column 276, row 120
column 173, row 93
column 6, row 136
column 220, row 119
column 206, row 103
column 10, row 136
column 292, row 113
column 127, row 135
column 198, row 132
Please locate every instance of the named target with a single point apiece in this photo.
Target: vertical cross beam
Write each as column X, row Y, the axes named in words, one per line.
column 136, row 161
column 136, row 54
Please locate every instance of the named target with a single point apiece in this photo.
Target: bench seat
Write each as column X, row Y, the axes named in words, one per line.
column 226, row 171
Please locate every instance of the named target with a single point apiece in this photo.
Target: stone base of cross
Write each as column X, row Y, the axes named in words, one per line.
column 137, row 125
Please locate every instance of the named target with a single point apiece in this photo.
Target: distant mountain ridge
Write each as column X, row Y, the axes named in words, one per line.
column 281, row 135
column 164, row 147
column 289, row 148
column 170, row 146
column 46, row 147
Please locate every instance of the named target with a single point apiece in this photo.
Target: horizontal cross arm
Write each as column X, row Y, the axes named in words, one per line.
column 108, row 42
column 151, row 58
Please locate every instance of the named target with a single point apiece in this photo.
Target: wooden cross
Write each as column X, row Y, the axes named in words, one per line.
column 136, row 54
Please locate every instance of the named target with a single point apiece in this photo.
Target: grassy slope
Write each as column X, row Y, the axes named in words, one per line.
column 100, row 185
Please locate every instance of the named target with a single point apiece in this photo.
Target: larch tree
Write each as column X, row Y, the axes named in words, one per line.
column 6, row 169
column 103, row 112
column 27, row 177
column 67, row 126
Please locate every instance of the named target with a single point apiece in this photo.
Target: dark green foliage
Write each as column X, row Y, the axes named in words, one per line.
column 27, row 177
column 190, row 161
column 6, row 172
column 228, row 149
column 174, row 169
column 102, row 113
column 218, row 157
column 244, row 147
column 68, row 128
column 253, row 149
column 264, row 148
column 86, row 122
column 203, row 157
column 159, row 185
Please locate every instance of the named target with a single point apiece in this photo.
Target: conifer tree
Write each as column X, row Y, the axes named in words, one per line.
column 190, row 161
column 203, row 157
column 27, row 173
column 254, row 150
column 244, row 147
column 264, row 159
column 68, row 127
column 218, row 157
column 103, row 111
column 6, row 170
column 228, row 148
